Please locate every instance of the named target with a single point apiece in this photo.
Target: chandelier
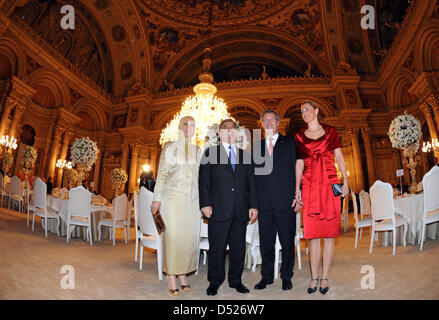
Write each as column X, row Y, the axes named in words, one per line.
column 433, row 146
column 204, row 107
column 8, row 143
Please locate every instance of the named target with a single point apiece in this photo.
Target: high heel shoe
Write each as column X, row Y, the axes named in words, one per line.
column 312, row 290
column 186, row 288
column 174, row 292
column 325, row 289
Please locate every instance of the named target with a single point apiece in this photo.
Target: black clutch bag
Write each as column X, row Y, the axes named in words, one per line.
column 337, row 189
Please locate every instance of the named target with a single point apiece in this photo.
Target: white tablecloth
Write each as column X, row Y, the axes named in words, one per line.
column 412, row 207
column 98, row 212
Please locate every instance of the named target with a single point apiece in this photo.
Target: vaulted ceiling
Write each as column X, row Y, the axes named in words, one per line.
column 159, row 43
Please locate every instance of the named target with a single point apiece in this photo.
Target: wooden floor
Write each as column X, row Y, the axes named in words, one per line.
column 35, row 267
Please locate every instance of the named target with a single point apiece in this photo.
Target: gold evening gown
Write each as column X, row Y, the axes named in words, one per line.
column 177, row 190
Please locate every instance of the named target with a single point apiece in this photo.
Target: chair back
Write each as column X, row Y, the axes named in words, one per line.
column 136, row 209
column 431, row 189
column 120, row 208
column 145, row 218
column 364, row 204
column 40, row 192
column 15, row 188
column 381, row 198
column 252, row 233
column 354, row 200
column 204, row 229
column 79, row 202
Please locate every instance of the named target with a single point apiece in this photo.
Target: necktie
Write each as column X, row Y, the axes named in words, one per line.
column 270, row 146
column 232, row 158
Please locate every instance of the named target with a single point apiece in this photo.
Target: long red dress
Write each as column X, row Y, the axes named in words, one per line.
column 321, row 209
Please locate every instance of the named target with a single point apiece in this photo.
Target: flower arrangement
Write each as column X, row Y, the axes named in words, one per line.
column 405, row 132
column 118, row 175
column 7, row 160
column 29, row 156
column 84, row 151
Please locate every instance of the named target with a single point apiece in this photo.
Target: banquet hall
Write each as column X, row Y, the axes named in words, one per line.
column 91, row 90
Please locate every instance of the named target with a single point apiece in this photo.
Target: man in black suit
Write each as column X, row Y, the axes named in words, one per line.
column 227, row 193
column 275, row 162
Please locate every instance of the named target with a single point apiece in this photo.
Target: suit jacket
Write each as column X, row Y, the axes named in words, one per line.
column 276, row 188
column 228, row 192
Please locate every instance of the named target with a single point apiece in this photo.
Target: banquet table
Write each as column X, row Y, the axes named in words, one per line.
column 412, row 207
column 99, row 211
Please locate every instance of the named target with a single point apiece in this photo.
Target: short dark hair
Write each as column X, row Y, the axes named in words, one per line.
column 228, row 120
column 270, row 111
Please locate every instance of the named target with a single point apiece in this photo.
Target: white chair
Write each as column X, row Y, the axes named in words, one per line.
column 359, row 223
column 16, row 193
column 136, row 221
column 41, row 209
column 383, row 212
column 364, row 204
column 30, row 205
column 79, row 211
column 204, row 240
column 129, row 214
column 431, row 201
column 149, row 236
column 119, row 220
column 345, row 213
column 252, row 238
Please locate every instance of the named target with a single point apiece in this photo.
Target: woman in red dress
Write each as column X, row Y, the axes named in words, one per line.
column 315, row 171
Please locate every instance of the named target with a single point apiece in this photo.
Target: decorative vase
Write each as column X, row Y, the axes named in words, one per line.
column 411, row 163
column 82, row 169
column 118, row 188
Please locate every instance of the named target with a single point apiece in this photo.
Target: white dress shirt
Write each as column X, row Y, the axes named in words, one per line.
column 267, row 139
column 226, row 146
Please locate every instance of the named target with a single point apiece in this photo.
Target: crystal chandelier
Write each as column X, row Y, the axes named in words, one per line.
column 204, row 107
column 433, row 146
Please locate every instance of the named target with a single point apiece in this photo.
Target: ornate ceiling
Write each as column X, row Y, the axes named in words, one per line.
column 158, row 44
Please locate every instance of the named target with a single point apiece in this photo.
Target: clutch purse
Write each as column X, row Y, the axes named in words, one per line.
column 337, row 189
column 159, row 223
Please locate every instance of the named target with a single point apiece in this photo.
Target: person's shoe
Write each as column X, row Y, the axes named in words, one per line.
column 287, row 285
column 325, row 289
column 240, row 288
column 263, row 284
column 312, row 290
column 212, row 290
column 174, row 292
column 186, row 288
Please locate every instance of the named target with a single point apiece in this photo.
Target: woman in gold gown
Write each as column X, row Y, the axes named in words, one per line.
column 176, row 196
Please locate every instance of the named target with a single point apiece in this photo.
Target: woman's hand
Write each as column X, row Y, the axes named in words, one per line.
column 345, row 190
column 155, row 207
column 297, row 203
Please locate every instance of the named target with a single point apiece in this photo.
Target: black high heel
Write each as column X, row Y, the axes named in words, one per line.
column 323, row 290
column 312, row 290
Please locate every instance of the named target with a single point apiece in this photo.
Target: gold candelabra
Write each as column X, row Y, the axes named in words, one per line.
column 411, row 160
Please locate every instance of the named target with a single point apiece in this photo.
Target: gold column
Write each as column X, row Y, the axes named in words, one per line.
column 10, row 103
column 430, row 122
column 153, row 163
column 97, row 171
column 133, row 167
column 124, row 160
column 18, row 115
column 359, row 177
column 68, row 135
column 57, row 133
column 365, row 134
column 433, row 101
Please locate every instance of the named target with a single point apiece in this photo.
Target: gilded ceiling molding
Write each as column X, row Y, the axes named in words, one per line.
column 295, row 100
column 52, row 80
column 428, row 36
column 396, row 86
column 90, row 107
column 15, row 54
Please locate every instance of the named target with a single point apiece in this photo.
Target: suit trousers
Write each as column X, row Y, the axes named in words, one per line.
column 283, row 223
column 221, row 234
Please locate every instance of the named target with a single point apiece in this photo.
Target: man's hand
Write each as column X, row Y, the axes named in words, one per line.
column 155, row 207
column 253, row 215
column 207, row 211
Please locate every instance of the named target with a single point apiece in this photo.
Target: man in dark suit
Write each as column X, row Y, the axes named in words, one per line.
column 275, row 162
column 227, row 193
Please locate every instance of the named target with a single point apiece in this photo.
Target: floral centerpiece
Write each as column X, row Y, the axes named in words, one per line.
column 7, row 161
column 405, row 133
column 28, row 159
column 84, row 153
column 118, row 177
